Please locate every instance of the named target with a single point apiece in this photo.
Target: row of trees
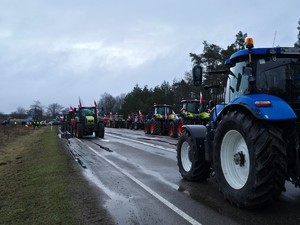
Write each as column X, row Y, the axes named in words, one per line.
column 37, row 110
column 212, row 58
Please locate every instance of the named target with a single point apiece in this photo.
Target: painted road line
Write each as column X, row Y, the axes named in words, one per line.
column 144, row 143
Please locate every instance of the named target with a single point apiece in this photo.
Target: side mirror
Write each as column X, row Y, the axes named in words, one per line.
column 197, row 75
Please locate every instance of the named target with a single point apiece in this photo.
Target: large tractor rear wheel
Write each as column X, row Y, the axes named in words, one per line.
column 191, row 159
column 100, row 130
column 155, row 127
column 249, row 160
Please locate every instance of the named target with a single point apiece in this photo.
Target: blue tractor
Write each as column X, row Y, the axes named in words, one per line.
column 251, row 143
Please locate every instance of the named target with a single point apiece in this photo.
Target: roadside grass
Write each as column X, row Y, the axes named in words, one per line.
column 35, row 176
column 38, row 182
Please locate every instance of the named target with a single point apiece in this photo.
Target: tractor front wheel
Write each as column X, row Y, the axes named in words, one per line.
column 249, row 160
column 79, row 130
column 100, row 131
column 191, row 159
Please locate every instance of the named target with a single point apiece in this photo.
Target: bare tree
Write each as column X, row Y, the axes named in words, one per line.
column 119, row 100
column 19, row 114
column 36, row 110
column 54, row 109
column 21, row 110
column 107, row 101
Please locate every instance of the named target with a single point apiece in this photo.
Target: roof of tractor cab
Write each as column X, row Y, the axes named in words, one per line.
column 242, row 54
column 161, row 105
column 194, row 100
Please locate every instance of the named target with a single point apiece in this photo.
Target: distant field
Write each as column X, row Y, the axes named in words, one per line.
column 40, row 183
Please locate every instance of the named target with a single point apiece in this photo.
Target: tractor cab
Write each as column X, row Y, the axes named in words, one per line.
column 162, row 111
column 191, row 106
column 162, row 120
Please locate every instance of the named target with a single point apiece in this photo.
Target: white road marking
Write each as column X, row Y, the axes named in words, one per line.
column 146, row 188
column 144, row 143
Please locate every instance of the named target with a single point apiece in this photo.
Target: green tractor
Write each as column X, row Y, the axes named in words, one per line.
column 192, row 112
column 70, row 121
column 118, row 121
column 161, row 121
column 84, row 121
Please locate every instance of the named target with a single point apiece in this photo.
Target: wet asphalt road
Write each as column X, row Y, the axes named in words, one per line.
column 139, row 177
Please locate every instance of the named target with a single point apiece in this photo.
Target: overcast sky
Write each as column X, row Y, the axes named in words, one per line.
column 56, row 51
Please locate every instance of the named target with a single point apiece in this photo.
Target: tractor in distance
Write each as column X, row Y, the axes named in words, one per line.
column 138, row 121
column 191, row 112
column 129, row 121
column 251, row 143
column 107, row 119
column 84, row 121
column 135, row 121
column 117, row 121
column 70, row 121
column 161, row 120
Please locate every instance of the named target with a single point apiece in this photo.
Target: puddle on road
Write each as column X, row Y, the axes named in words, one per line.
column 103, row 147
column 121, row 207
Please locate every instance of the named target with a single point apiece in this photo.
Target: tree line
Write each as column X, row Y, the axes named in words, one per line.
column 37, row 111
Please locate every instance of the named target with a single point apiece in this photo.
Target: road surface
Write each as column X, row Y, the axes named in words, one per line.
column 139, row 178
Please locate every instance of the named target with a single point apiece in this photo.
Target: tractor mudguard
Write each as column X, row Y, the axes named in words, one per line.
column 215, row 112
column 197, row 132
column 259, row 105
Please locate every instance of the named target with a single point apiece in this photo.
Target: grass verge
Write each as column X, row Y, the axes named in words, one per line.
column 41, row 184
